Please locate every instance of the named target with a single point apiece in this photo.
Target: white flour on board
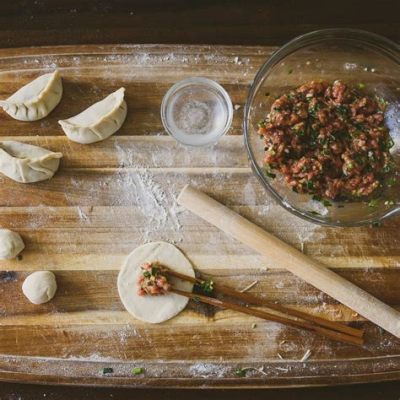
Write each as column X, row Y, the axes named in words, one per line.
column 82, row 215
column 139, row 187
column 206, row 370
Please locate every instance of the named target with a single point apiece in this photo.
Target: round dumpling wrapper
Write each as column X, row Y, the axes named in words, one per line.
column 160, row 308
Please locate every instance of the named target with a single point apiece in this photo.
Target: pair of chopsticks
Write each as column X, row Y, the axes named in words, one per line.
column 320, row 326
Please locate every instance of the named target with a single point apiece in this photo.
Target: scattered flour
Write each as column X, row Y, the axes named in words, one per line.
column 82, row 215
column 206, row 370
column 139, row 186
column 92, row 357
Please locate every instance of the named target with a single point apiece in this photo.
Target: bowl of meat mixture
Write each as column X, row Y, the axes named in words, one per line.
column 322, row 127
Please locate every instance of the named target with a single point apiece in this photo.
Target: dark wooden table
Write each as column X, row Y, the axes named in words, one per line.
column 52, row 22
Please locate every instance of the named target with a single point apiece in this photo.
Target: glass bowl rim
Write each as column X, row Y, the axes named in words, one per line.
column 388, row 46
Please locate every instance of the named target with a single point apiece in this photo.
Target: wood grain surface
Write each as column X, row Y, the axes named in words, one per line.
column 110, row 197
column 251, row 22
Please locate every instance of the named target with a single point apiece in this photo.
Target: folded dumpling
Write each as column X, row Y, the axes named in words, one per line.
column 99, row 121
column 36, row 99
column 26, row 163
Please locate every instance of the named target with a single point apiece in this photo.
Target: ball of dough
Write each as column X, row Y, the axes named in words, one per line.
column 40, row 287
column 11, row 244
column 154, row 309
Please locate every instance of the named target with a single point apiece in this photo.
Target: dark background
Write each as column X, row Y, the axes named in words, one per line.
column 52, row 22
column 249, row 22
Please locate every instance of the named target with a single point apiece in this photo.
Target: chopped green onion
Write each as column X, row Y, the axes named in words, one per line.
column 389, row 144
column 382, row 101
column 326, row 203
column 207, row 286
column 137, row 371
column 107, row 370
column 290, row 71
column 270, row 174
column 361, row 85
column 240, row 372
column 373, row 203
column 387, row 168
column 342, row 110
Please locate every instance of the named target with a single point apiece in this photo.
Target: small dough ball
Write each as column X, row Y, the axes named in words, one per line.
column 11, row 244
column 40, row 287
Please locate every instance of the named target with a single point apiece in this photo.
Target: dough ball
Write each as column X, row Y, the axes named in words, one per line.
column 40, row 287
column 154, row 309
column 11, row 244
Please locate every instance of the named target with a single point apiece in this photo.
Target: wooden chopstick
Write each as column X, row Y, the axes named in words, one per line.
column 339, row 336
column 250, row 299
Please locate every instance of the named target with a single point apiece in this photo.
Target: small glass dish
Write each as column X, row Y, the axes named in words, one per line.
column 196, row 111
column 352, row 56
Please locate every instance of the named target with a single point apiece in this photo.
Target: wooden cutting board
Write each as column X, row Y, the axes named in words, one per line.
column 110, row 197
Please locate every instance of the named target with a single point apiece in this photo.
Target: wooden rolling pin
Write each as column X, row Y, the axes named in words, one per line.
column 284, row 256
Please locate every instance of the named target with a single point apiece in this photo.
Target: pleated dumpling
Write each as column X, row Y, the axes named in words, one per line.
column 99, row 121
column 36, row 99
column 26, row 163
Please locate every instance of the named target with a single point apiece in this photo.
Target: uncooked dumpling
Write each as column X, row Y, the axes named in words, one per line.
column 99, row 121
column 26, row 163
column 11, row 244
column 40, row 287
column 36, row 99
column 160, row 308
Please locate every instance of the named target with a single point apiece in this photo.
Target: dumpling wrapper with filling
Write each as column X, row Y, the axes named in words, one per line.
column 99, row 121
column 26, row 163
column 160, row 308
column 35, row 100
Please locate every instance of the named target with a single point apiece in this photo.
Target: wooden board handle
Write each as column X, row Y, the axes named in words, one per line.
column 285, row 256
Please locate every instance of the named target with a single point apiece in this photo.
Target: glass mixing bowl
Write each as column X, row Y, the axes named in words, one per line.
column 352, row 56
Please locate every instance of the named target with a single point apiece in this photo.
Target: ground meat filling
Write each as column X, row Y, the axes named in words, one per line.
column 328, row 140
column 153, row 280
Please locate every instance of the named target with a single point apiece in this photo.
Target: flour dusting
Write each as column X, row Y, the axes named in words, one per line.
column 82, row 215
column 139, row 186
